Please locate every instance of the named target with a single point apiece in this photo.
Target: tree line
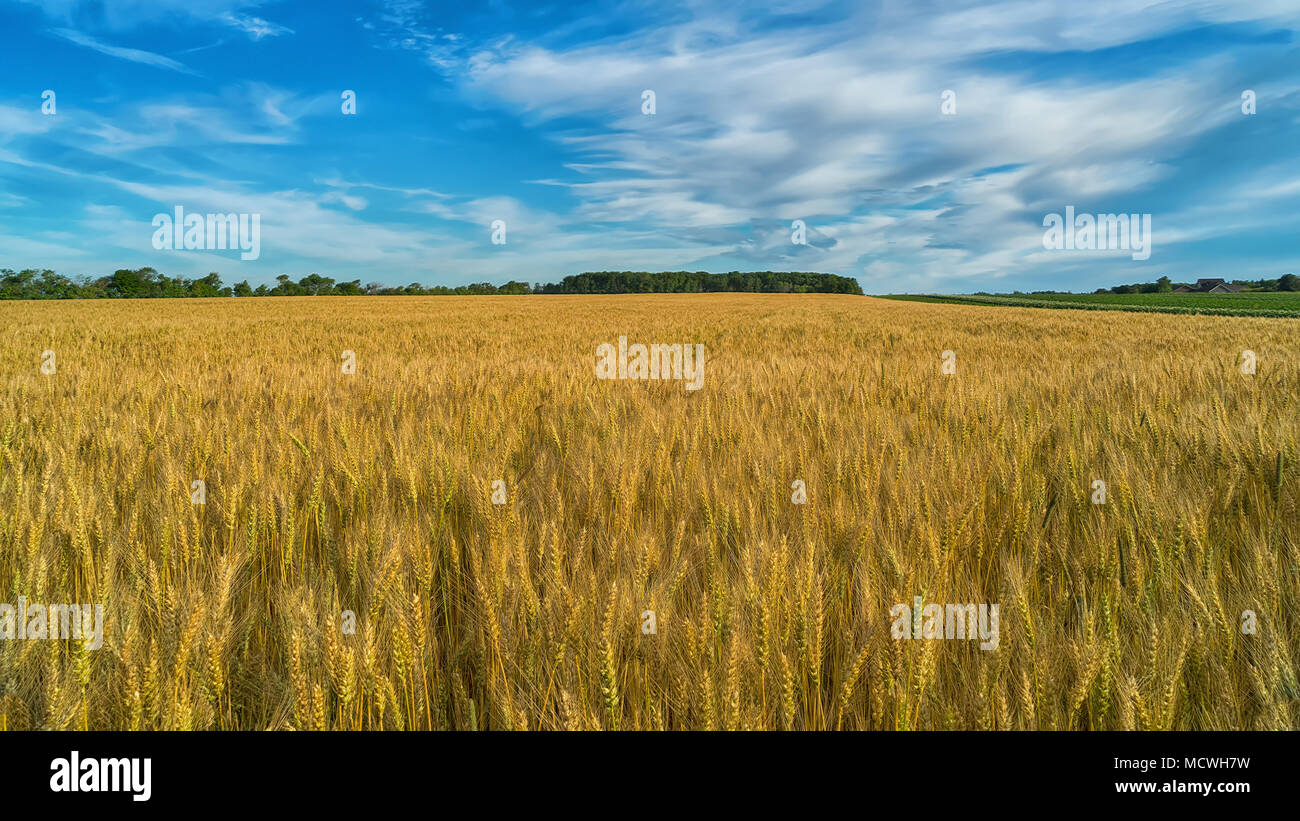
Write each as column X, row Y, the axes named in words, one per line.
column 1164, row 285
column 143, row 283
column 640, row 282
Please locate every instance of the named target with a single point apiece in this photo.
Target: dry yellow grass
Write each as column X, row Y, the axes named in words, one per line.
column 372, row 493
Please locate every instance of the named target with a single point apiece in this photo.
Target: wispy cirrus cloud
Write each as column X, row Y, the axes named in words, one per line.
column 122, row 15
column 254, row 27
column 133, row 55
column 411, row 25
column 841, row 125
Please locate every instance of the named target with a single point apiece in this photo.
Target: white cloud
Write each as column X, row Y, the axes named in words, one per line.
column 254, row 27
column 823, row 123
column 122, row 15
column 16, row 121
column 134, row 55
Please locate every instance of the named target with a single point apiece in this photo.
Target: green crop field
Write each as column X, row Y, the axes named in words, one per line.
column 1261, row 303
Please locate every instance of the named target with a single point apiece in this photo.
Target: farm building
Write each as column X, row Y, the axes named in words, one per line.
column 1215, row 285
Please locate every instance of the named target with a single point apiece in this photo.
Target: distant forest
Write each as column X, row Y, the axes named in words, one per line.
column 144, row 283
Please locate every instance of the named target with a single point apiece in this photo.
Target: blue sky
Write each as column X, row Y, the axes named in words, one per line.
column 828, row 113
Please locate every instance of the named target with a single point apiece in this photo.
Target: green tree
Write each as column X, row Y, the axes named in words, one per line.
column 18, row 285
column 208, row 286
column 316, row 285
column 127, row 283
column 286, row 287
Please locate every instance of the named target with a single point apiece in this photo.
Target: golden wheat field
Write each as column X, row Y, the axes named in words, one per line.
column 372, row 493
